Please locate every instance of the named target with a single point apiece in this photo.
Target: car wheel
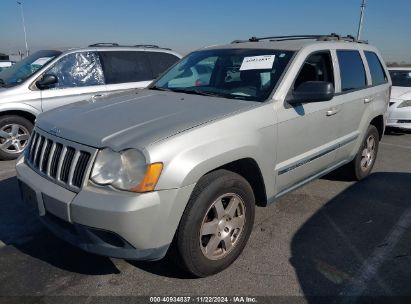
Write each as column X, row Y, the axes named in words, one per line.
column 216, row 224
column 364, row 161
column 14, row 136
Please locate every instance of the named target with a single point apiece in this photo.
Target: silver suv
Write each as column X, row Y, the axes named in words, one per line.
column 128, row 175
column 49, row 79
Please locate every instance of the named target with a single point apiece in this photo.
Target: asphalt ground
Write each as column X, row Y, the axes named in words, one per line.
column 331, row 237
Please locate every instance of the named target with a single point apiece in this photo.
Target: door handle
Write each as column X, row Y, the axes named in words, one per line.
column 95, row 96
column 368, row 99
column 332, row 111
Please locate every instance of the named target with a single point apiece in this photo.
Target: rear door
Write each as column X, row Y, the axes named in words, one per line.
column 79, row 76
column 126, row 69
column 308, row 132
column 358, row 95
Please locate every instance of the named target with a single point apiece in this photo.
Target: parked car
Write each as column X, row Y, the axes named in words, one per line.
column 130, row 174
column 4, row 64
column 48, row 79
column 399, row 112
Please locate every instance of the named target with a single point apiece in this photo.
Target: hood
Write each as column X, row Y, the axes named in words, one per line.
column 398, row 92
column 135, row 119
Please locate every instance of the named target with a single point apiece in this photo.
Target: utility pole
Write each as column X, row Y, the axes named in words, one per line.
column 361, row 19
column 24, row 27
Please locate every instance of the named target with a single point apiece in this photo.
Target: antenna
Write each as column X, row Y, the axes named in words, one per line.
column 361, row 19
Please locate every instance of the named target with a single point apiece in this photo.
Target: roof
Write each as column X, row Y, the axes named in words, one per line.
column 291, row 43
column 114, row 47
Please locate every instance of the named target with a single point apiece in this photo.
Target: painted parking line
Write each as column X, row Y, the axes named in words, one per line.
column 398, row 146
column 369, row 270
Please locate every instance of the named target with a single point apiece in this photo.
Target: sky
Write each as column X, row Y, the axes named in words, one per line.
column 188, row 25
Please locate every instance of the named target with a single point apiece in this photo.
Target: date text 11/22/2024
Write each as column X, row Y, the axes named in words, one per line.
column 203, row 299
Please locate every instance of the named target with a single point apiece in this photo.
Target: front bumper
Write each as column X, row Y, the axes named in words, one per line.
column 399, row 117
column 107, row 222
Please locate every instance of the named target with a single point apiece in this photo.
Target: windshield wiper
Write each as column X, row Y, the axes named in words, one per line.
column 197, row 92
column 160, row 89
column 188, row 91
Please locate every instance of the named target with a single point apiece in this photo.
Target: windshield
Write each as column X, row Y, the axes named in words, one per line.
column 247, row 74
column 401, row 78
column 22, row 70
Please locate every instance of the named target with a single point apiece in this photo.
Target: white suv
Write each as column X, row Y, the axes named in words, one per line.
column 49, row 79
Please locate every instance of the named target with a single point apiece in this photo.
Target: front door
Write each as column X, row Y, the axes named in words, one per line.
column 307, row 133
column 79, row 77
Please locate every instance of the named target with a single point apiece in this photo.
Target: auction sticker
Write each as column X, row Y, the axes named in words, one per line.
column 262, row 62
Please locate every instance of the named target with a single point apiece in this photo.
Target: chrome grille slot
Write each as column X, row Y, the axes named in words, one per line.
column 65, row 168
column 80, row 168
column 55, row 160
column 46, row 156
column 66, row 163
column 33, row 146
column 39, row 148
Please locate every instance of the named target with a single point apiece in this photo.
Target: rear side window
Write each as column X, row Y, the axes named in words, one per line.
column 377, row 72
column 127, row 66
column 161, row 62
column 352, row 70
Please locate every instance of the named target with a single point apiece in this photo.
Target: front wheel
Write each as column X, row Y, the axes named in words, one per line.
column 216, row 224
column 14, row 136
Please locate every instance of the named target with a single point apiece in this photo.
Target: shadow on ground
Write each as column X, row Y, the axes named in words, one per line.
column 359, row 243
column 396, row 131
column 20, row 228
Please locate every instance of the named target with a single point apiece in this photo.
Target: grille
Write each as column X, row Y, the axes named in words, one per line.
column 61, row 161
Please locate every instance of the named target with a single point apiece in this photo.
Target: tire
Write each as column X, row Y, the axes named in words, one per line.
column 15, row 132
column 361, row 166
column 219, row 188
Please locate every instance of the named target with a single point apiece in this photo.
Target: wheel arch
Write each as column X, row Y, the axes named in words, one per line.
column 378, row 122
column 250, row 171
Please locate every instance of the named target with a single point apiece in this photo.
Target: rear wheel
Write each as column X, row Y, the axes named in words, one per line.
column 216, row 224
column 364, row 161
column 14, row 136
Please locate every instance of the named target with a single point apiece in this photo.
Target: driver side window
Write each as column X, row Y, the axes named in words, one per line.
column 78, row 70
column 317, row 67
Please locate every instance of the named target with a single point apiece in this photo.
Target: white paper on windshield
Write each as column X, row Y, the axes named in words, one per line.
column 262, row 62
column 42, row 60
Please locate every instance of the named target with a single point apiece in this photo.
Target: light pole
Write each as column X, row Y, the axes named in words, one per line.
column 24, row 27
column 361, row 19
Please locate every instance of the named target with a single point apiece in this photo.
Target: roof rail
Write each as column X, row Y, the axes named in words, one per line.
column 151, row 46
column 147, row 46
column 330, row 37
column 104, row 44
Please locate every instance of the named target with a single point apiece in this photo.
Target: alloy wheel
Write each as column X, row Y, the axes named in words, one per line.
column 222, row 226
column 13, row 138
column 368, row 153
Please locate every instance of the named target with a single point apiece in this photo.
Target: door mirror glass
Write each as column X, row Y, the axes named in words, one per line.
column 47, row 81
column 312, row 91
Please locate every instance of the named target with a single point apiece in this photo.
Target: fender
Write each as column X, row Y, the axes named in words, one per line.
column 19, row 106
column 190, row 155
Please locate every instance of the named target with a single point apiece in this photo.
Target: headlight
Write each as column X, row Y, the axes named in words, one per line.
column 406, row 103
column 125, row 170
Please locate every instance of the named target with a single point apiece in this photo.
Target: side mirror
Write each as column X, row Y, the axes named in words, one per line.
column 312, row 91
column 46, row 81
